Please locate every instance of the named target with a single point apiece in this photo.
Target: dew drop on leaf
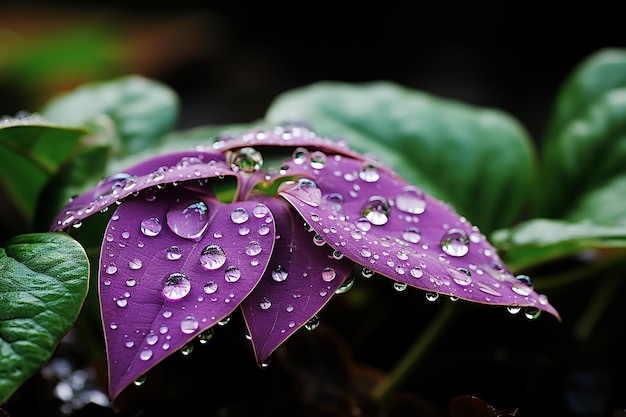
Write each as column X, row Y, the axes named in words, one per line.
column 188, row 220
column 328, row 274
column 313, row 323
column 377, row 210
column 411, row 200
column 279, row 274
column 232, row 274
column 247, row 160
column 318, row 159
column 189, row 325
column 305, row 190
column 369, row 172
column 212, row 257
column 265, row 304
column 299, row 155
column 210, row 287
column 176, row 287
column 151, row 226
column 455, row 242
column 239, row 215
column 135, row 264
column 174, row 253
column 412, row 235
column 253, row 248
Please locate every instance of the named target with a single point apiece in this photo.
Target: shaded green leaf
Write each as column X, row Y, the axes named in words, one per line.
column 585, row 147
column 541, row 240
column 141, row 109
column 43, row 283
column 478, row 160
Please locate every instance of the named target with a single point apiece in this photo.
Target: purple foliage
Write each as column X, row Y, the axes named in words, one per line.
column 176, row 260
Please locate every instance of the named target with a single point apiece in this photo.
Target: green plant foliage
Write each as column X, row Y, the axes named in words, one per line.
column 43, row 283
column 478, row 160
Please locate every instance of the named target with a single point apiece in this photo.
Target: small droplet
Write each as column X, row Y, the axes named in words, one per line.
column 239, row 215
column 400, row 286
column 205, row 336
column 151, row 226
column 253, row 248
column 265, row 304
column 210, row 287
column 346, row 285
column 112, row 184
column 145, row 354
column 328, row 274
column 260, row 211
column 176, row 286
column 279, row 274
column 247, row 160
column 455, row 242
column 188, row 220
column 264, row 229
column 412, row 235
column 318, row 240
column 367, row 273
column 299, row 155
column 212, row 257
column 174, row 253
column 313, row 323
column 411, row 200
column 232, row 274
column 369, row 172
column 111, row 269
column 135, row 264
column 377, row 210
column 318, row 159
column 514, row 309
column 431, row 296
column 531, row 313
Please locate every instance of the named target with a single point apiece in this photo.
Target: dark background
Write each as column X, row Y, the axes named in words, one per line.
column 227, row 61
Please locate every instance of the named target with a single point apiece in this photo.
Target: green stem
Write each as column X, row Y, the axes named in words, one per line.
column 416, row 353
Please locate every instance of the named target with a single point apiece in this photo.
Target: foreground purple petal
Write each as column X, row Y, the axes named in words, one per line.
column 173, row 267
column 144, row 177
column 300, row 279
column 391, row 227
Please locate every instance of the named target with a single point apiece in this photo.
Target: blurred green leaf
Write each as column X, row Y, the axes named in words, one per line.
column 478, row 160
column 540, row 240
column 29, row 155
column 142, row 110
column 43, row 283
column 585, row 148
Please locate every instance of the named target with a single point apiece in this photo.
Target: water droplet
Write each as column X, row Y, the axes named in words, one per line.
column 140, row 381
column 111, row 269
column 232, row 274
column 328, row 274
column 431, row 296
column 525, row 279
column 189, row 325
column 176, row 286
column 367, row 273
column 264, row 229
column 122, row 302
column 461, row 276
column 151, row 226
column 188, row 220
column 112, row 184
column 400, row 286
column 335, row 200
column 455, row 242
column 318, row 240
column 145, row 354
column 531, row 313
column 313, row 323
column 253, row 248
column 265, row 304
column 299, row 155
column 304, row 189
column 279, row 274
column 205, row 336
column 411, row 200
column 369, row 172
column 377, row 210
column 337, row 255
column 247, row 160
column 186, row 349
column 514, row 309
column 212, row 257
column 260, row 211
column 318, row 160
column 239, row 215
column 412, row 235
column 210, row 287
column 130, row 282
column 174, row 253
column 347, row 284
column 135, row 264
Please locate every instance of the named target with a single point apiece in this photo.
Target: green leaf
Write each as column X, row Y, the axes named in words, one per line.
column 142, row 110
column 541, row 240
column 43, row 283
column 478, row 160
column 29, row 155
column 585, row 147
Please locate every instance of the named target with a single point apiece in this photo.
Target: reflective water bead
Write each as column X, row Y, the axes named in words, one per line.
column 239, row 215
column 189, row 325
column 299, row 155
column 112, row 184
column 412, row 235
column 328, row 274
column 525, row 279
column 135, row 264
column 369, row 172
column 232, row 273
column 205, row 336
column 313, row 323
column 174, row 253
column 431, row 296
column 377, row 210
column 531, row 313
column 253, row 248
column 335, row 200
column 514, row 309
column 111, row 269
column 176, row 287
column 367, row 273
column 210, row 287
column 212, row 257
column 416, row 272
column 188, row 220
column 411, row 200
column 347, row 284
column 247, row 160
column 264, row 229
column 260, row 211
column 399, row 286
column 363, row 224
column 279, row 274
column 318, row 159
column 151, row 226
column 455, row 242
column 305, row 190
column 265, row 304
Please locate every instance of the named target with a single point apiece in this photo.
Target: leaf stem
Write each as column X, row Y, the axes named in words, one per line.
column 403, row 369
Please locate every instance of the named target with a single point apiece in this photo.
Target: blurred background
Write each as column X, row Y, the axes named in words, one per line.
column 228, row 60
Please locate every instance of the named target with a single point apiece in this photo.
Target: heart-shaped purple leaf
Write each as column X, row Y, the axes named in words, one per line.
column 173, row 267
column 144, row 177
column 300, row 279
column 391, row 227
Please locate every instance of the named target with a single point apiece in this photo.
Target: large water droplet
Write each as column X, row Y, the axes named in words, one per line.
column 304, row 189
column 412, row 234
column 377, row 210
column 247, row 160
column 455, row 242
column 313, row 323
column 253, row 248
column 188, row 219
column 265, row 304
column 151, row 226
column 369, row 172
column 299, row 155
column 239, row 215
column 318, row 159
column 232, row 274
column 212, row 257
column 176, row 286
column 411, row 200
column 279, row 274
column 135, row 263
column 174, row 253
column 328, row 274
column 189, row 325
column 210, row 287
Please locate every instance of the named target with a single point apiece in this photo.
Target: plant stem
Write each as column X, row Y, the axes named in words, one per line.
column 415, row 354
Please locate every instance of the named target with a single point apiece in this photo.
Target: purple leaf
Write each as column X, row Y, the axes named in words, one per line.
column 300, row 279
column 391, row 227
column 172, row 268
column 143, row 177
